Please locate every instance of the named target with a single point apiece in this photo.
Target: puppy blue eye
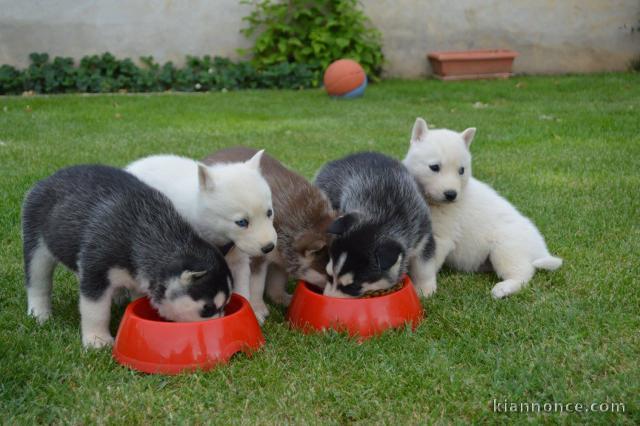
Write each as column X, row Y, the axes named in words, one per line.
column 461, row 170
column 242, row 223
column 435, row 167
column 269, row 213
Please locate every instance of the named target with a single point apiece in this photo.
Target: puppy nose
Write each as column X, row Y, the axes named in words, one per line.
column 266, row 249
column 450, row 195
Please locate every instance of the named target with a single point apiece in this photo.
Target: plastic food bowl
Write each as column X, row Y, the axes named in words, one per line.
column 311, row 311
column 148, row 343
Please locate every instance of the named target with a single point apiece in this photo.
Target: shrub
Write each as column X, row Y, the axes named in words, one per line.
column 312, row 32
column 105, row 73
column 10, row 80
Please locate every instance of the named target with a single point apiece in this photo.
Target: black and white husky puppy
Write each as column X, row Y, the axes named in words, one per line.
column 116, row 232
column 385, row 228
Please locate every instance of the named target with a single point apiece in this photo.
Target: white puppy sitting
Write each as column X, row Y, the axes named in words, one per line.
column 472, row 224
column 224, row 203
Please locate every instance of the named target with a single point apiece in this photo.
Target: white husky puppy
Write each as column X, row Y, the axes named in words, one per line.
column 225, row 203
column 474, row 227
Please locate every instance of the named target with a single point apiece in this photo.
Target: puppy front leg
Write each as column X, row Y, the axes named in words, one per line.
column 240, row 265
column 95, row 314
column 276, row 285
column 427, row 262
column 39, row 266
column 258, row 278
column 423, row 274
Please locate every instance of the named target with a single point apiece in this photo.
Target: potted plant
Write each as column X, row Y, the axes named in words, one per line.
column 472, row 64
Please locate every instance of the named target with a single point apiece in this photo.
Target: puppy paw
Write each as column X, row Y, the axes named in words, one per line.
column 39, row 307
column 286, row 299
column 261, row 310
column 283, row 299
column 97, row 340
column 261, row 318
column 505, row 288
column 41, row 315
column 426, row 289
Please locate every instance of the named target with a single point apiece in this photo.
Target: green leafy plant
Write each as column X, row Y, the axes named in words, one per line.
column 312, row 32
column 11, row 80
column 106, row 73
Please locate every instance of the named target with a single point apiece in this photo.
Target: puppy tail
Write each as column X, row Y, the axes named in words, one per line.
column 550, row 263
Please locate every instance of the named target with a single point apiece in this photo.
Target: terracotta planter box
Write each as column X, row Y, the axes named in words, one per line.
column 472, row 64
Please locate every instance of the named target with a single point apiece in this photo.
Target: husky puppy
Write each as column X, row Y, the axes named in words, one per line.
column 302, row 215
column 472, row 223
column 225, row 203
column 116, row 232
column 384, row 231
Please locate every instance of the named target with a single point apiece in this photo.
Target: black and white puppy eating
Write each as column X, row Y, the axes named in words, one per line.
column 385, row 230
column 115, row 232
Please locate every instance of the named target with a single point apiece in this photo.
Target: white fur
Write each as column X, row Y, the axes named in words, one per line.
column 329, row 267
column 94, row 320
column 331, row 289
column 258, row 280
column 121, row 278
column 40, row 282
column 314, row 277
column 212, row 199
column 220, row 300
column 240, row 265
column 183, row 309
column 479, row 225
column 180, row 306
column 423, row 274
column 346, row 279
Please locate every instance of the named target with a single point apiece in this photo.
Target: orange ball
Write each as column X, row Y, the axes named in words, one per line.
column 345, row 78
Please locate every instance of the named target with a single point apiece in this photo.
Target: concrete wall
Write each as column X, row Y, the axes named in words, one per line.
column 551, row 35
column 165, row 29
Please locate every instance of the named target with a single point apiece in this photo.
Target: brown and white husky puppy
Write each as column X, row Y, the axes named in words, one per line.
column 302, row 214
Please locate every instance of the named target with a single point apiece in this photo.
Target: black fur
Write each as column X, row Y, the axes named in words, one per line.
column 385, row 216
column 93, row 218
column 429, row 249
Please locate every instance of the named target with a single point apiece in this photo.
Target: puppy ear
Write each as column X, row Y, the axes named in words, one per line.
column 254, row 162
column 419, row 131
column 205, row 180
column 468, row 135
column 343, row 224
column 187, row 277
column 388, row 254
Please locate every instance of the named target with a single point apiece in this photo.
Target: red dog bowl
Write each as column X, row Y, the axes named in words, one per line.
column 148, row 343
column 311, row 311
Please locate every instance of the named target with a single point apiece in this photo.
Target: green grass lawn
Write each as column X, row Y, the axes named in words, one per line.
column 564, row 150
